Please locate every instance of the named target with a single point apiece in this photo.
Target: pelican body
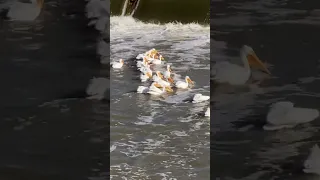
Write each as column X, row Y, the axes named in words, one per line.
column 284, row 114
column 117, row 65
column 184, row 84
column 154, row 89
column 97, row 88
column 200, row 98
column 233, row 74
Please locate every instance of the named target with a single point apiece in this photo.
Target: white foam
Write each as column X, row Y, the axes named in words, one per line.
column 188, row 43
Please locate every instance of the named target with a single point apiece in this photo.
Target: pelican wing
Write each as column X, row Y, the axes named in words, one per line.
column 283, row 113
column 225, row 72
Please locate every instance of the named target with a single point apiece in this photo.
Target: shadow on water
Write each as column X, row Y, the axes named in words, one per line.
column 284, row 34
column 51, row 59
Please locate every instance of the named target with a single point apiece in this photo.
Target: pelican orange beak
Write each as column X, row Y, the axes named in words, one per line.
column 169, row 89
column 157, row 85
column 149, row 75
column 159, row 75
column 170, row 80
column 190, row 81
column 254, row 61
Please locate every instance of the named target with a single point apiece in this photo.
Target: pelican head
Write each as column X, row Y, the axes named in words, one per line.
column 121, row 61
column 161, row 57
column 253, row 59
column 188, row 80
column 169, row 89
column 169, row 68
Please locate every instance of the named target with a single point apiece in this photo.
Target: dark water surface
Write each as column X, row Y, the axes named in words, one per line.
column 50, row 61
column 285, row 35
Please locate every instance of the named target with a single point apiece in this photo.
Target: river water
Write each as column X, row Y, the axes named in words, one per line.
column 159, row 137
column 284, row 34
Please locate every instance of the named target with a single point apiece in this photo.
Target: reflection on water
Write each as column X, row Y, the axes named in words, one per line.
column 282, row 33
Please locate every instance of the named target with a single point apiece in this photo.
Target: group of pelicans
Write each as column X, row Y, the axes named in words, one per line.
column 161, row 82
column 281, row 114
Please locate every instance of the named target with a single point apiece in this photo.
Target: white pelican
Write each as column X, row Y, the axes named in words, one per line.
column 97, row 88
column 25, row 11
column 207, row 113
column 283, row 114
column 144, row 68
column 148, row 53
column 312, row 163
column 159, row 79
column 144, row 89
column 155, row 60
column 142, row 63
column 184, row 84
column 145, row 75
column 167, row 73
column 154, row 90
column 117, row 65
column 233, row 74
column 199, row 98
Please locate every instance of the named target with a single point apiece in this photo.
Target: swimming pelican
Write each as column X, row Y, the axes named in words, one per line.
column 147, row 54
column 117, row 65
column 284, row 114
column 184, row 84
column 25, row 11
column 155, row 60
column 154, row 90
column 144, row 89
column 207, row 113
column 142, row 63
column 199, row 98
column 312, row 164
column 97, row 88
column 145, row 68
column 233, row 74
column 145, row 75
column 159, row 78
column 167, row 73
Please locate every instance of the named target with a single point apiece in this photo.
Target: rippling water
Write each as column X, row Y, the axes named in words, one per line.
column 284, row 34
column 159, row 137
